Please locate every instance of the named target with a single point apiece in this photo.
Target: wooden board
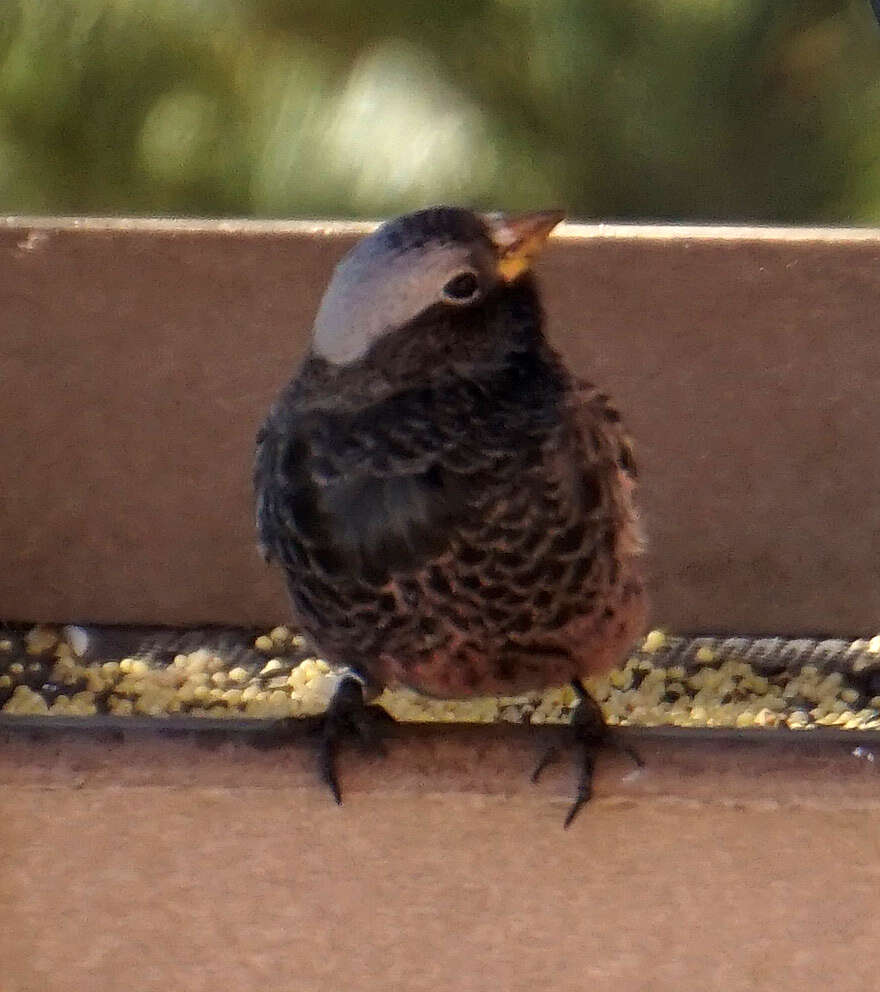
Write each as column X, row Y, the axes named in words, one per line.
column 137, row 359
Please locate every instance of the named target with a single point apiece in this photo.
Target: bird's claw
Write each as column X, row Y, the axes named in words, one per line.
column 590, row 732
column 347, row 715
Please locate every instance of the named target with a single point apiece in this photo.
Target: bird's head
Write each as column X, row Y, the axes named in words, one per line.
column 446, row 258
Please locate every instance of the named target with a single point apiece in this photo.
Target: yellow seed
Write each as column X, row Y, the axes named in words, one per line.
column 766, row 718
column 26, row 701
column 64, row 668
column 201, row 692
column 149, row 705
column 110, row 668
column 169, row 677
column 251, row 693
column 40, row 639
column 654, row 641
column 775, row 703
column 568, row 696
column 219, row 678
column 16, row 668
column 186, row 693
column 831, row 683
column 5, row 681
column 273, row 665
column 216, row 663
column 279, row 702
column 849, row 695
column 139, row 667
column 232, row 697
column 125, row 665
column 197, row 661
column 83, row 703
column 705, row 654
column 264, row 643
column 6, row 644
column 238, row 675
column 279, row 634
column 65, row 651
column 874, row 645
column 489, row 710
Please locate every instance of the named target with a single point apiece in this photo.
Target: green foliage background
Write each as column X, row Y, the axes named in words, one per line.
column 663, row 109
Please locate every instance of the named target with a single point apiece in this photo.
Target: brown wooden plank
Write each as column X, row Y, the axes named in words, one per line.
column 161, row 865
column 137, row 359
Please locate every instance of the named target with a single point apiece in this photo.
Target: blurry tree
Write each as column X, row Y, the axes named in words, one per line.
column 663, row 109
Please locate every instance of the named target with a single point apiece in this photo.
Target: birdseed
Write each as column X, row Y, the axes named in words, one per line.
column 769, row 683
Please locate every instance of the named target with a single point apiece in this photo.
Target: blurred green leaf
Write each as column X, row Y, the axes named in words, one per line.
column 743, row 110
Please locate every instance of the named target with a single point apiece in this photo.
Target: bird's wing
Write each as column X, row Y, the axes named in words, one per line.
column 370, row 492
column 604, row 437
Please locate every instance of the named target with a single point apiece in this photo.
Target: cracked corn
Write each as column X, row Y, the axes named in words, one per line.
column 667, row 681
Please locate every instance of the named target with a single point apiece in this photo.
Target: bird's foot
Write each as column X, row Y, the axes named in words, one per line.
column 348, row 715
column 590, row 734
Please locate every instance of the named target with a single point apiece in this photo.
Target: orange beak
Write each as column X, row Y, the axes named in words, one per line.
column 518, row 238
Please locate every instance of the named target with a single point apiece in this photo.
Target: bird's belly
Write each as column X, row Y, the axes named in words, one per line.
column 587, row 645
column 458, row 660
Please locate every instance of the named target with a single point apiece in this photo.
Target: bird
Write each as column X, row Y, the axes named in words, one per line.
column 454, row 511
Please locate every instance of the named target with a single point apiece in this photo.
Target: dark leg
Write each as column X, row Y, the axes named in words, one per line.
column 591, row 733
column 347, row 715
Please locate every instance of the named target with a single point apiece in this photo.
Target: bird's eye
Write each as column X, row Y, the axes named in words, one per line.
column 461, row 288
